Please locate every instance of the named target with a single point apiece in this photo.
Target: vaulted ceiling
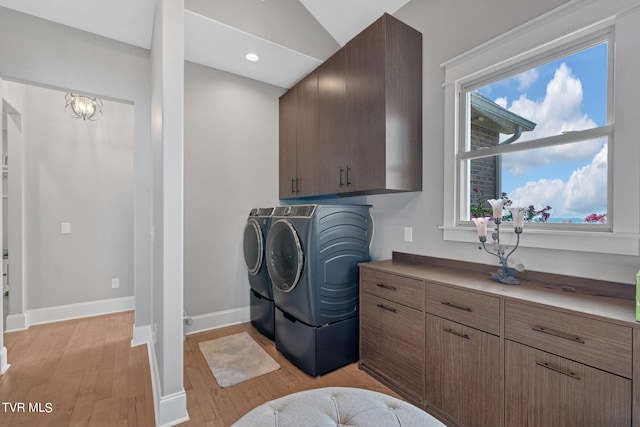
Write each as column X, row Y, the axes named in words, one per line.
column 291, row 37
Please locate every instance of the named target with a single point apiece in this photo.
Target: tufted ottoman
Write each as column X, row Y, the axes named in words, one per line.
column 337, row 406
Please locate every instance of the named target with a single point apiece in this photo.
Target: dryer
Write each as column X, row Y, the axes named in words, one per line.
column 312, row 258
column 261, row 293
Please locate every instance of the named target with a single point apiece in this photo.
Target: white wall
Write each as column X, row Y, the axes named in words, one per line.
column 77, row 172
column 231, row 166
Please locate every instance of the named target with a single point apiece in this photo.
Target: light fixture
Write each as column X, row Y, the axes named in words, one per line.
column 84, row 107
column 253, row 57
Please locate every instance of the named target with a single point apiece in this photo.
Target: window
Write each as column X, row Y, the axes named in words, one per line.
column 538, row 135
column 501, row 140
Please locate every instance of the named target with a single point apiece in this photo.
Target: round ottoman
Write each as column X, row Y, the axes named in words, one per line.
column 337, row 406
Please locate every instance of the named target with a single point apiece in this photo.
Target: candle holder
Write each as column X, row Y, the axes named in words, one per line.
column 505, row 274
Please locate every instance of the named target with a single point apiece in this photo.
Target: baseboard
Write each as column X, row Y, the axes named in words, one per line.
column 172, row 410
column 219, row 319
column 67, row 312
column 16, row 322
column 3, row 361
column 141, row 335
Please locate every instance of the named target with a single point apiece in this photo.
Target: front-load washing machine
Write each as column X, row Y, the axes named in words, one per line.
column 261, row 293
column 312, row 257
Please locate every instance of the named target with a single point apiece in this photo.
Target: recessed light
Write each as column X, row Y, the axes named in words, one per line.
column 252, row 57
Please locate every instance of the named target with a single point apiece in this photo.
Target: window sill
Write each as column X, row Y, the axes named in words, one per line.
column 578, row 241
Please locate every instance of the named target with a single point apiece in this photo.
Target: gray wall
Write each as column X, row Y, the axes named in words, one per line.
column 231, row 166
column 42, row 52
column 448, row 32
column 77, row 172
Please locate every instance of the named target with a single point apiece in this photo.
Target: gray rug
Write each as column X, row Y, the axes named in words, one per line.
column 236, row 358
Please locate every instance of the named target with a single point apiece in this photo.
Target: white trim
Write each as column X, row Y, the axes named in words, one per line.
column 205, row 322
column 16, row 322
column 172, row 409
column 169, row 410
column 141, row 335
column 68, row 312
column 4, row 366
column 578, row 241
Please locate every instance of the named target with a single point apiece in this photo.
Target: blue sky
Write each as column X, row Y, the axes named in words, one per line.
column 566, row 94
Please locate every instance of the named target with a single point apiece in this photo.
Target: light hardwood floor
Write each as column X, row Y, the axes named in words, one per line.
column 212, row 406
column 89, row 373
column 85, row 369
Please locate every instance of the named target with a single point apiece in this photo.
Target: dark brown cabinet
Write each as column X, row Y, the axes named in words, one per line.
column 365, row 136
column 463, row 373
column 298, row 151
column 543, row 389
column 475, row 353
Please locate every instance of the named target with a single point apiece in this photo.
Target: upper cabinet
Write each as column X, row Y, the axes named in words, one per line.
column 354, row 125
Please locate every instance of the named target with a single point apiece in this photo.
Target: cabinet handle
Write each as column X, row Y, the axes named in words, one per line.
column 297, row 185
column 341, row 183
column 458, row 334
column 384, row 307
column 293, row 180
column 558, row 370
column 558, row 334
column 448, row 304
column 348, row 176
column 382, row 285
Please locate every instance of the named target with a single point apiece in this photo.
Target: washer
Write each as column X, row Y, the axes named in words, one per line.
column 261, row 293
column 313, row 253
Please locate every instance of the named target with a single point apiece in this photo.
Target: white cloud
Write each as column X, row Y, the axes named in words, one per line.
column 584, row 193
column 559, row 111
column 586, row 190
column 526, row 79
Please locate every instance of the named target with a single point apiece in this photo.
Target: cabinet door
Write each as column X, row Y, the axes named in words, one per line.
column 463, row 376
column 307, row 159
column 392, row 343
column 332, row 136
column 287, row 147
column 365, row 108
column 547, row 390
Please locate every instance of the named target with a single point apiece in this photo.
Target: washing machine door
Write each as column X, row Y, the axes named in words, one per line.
column 253, row 246
column 284, row 256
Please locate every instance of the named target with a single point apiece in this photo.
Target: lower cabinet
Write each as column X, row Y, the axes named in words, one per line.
column 392, row 344
column 542, row 389
column 463, row 377
column 478, row 358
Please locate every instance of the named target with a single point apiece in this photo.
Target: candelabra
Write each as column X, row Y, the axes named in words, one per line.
column 502, row 252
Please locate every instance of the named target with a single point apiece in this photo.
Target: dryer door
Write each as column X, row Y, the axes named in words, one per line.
column 284, row 256
column 253, row 246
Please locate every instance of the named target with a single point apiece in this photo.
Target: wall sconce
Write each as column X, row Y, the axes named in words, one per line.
column 83, row 107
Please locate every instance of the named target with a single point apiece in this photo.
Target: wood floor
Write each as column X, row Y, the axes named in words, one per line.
column 90, row 375
column 79, row 372
column 212, row 406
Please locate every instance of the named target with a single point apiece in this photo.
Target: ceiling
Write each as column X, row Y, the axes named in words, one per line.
column 292, row 37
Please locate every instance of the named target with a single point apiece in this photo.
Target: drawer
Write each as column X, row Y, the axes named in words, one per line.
column 466, row 307
column 599, row 344
column 392, row 343
column 400, row 289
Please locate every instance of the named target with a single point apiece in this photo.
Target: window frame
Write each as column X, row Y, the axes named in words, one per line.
column 555, row 34
column 466, row 87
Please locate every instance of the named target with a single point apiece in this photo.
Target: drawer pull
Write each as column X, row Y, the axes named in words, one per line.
column 558, row 334
column 452, row 332
column 448, row 304
column 389, row 287
column 384, row 307
column 558, row 370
